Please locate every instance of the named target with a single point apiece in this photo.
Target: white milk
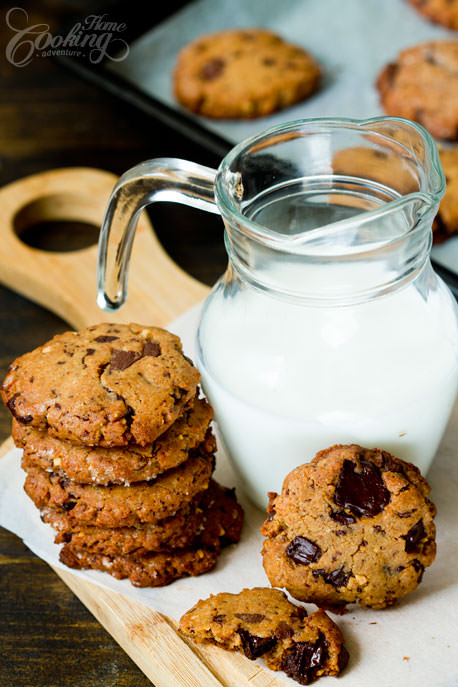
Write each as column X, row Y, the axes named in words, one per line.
column 286, row 380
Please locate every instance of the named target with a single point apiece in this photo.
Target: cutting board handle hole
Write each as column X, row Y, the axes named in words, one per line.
column 58, row 222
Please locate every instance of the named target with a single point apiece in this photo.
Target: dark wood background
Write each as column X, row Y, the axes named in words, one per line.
column 50, row 118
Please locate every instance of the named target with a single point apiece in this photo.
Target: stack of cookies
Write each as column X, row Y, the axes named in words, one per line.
column 119, row 454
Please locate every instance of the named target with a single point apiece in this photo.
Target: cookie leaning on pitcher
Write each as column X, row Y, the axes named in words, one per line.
column 119, row 453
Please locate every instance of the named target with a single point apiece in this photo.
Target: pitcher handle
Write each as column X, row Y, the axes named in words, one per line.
column 164, row 178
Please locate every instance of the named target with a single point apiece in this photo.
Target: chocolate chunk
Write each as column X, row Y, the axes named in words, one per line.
column 303, row 551
column 105, row 339
column 23, row 419
column 302, row 661
column 414, row 537
column 363, row 493
column 212, row 69
column 342, row 517
column 336, row 578
column 254, row 646
column 178, row 393
column 219, row 618
column 68, row 505
column 300, row 612
column 391, row 465
column 419, row 568
column 390, row 72
column 151, row 348
column 343, row 657
column 89, row 351
column 284, row 630
column 121, row 360
column 406, row 514
column 250, row 617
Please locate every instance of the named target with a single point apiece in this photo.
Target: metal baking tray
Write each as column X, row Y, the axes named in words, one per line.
column 352, row 41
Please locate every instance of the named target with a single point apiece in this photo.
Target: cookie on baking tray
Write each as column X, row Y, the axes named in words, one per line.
column 443, row 12
column 243, row 73
column 353, row 525
column 422, row 85
column 261, row 622
column 446, row 221
column 116, row 465
column 107, row 385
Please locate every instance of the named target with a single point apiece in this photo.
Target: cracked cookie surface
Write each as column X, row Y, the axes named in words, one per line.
column 261, row 622
column 214, row 517
column 422, row 84
column 243, row 73
column 353, row 525
column 117, row 465
column 107, row 385
column 120, row 506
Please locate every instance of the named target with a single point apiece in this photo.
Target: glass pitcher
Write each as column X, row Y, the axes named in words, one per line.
column 329, row 324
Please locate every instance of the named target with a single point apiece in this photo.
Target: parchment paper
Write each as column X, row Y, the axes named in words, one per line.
column 414, row 644
column 352, row 40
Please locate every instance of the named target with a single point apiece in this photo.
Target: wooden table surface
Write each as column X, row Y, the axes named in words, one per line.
column 50, row 118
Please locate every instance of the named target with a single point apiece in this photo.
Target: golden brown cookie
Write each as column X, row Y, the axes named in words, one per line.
column 120, row 506
column 262, row 622
column 353, row 525
column 107, row 385
column 423, row 85
column 116, row 465
column 446, row 221
column 243, row 73
column 150, row 570
column 381, row 165
column 443, row 12
column 214, row 517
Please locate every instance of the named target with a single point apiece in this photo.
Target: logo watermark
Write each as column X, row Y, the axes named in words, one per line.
column 95, row 38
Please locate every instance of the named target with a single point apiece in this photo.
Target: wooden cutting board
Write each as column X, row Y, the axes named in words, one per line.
column 159, row 291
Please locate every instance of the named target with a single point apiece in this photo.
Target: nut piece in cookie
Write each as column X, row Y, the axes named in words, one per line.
column 353, row 525
column 422, row 85
column 243, row 73
column 261, row 622
column 107, row 385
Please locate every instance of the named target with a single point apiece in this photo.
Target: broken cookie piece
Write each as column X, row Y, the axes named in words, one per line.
column 261, row 622
column 353, row 525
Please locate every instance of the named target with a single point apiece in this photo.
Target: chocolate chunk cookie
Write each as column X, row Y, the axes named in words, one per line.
column 382, row 165
column 107, row 385
column 150, row 570
column 213, row 517
column 443, row 12
column 243, row 73
column 446, row 221
column 262, row 622
column 117, row 465
column 120, row 506
column 353, row 525
column 422, row 85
